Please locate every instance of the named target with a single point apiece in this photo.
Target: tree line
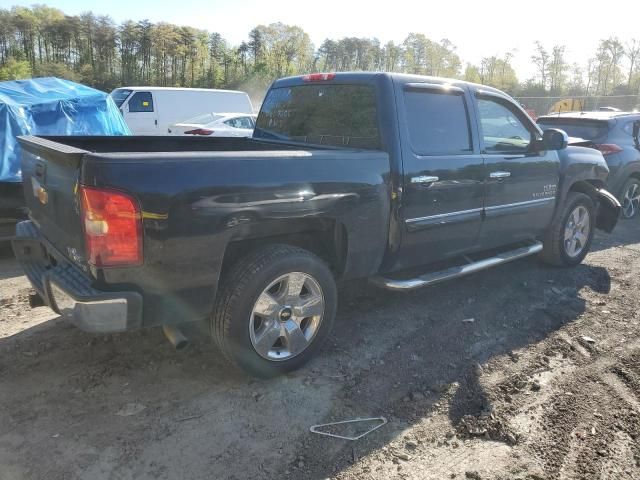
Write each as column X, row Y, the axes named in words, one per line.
column 96, row 51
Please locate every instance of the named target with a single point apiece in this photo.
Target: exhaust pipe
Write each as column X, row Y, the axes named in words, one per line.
column 175, row 336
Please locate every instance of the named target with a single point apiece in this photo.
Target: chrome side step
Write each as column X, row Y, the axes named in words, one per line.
column 432, row 278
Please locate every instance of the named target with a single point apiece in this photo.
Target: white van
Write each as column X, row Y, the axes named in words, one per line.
column 152, row 110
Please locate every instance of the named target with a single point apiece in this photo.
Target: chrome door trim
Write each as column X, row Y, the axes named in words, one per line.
column 516, row 208
column 521, row 204
column 464, row 215
column 443, row 215
column 415, row 224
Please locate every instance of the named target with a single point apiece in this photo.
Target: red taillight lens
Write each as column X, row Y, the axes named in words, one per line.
column 112, row 227
column 608, row 148
column 199, row 131
column 319, row 77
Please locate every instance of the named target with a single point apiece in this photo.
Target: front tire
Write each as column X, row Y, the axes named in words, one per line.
column 630, row 198
column 275, row 311
column 569, row 238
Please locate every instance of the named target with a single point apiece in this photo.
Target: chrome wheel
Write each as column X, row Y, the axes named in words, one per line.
column 577, row 230
column 286, row 316
column 631, row 200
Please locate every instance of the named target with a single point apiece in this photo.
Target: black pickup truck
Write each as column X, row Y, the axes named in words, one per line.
column 402, row 179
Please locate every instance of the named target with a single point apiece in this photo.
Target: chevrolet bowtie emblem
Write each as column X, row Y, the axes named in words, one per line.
column 42, row 195
column 39, row 191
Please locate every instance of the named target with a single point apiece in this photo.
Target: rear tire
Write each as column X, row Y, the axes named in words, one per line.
column 630, row 198
column 276, row 309
column 569, row 238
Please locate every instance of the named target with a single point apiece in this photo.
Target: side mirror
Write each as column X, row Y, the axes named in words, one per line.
column 554, row 139
column 636, row 133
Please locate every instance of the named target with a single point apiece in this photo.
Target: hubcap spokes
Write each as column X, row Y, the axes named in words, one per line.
column 576, row 232
column 631, row 201
column 286, row 316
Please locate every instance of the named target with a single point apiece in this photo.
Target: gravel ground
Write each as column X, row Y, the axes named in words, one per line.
column 521, row 372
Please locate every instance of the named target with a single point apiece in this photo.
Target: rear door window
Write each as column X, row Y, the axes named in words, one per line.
column 141, row 102
column 438, row 123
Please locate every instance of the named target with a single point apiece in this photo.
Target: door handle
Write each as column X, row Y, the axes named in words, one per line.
column 499, row 174
column 424, row 179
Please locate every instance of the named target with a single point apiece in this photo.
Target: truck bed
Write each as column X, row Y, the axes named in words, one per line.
column 199, row 196
column 155, row 144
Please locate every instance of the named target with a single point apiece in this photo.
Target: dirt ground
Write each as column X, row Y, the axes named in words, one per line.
column 521, row 372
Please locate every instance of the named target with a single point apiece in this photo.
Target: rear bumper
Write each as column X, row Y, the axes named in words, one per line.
column 7, row 230
column 68, row 291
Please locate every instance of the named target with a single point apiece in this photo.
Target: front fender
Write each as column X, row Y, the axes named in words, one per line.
column 584, row 169
column 580, row 164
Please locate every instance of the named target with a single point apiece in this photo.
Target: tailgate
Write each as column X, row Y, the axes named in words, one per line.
column 50, row 172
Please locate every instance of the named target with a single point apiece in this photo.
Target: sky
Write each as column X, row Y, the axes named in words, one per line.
column 478, row 28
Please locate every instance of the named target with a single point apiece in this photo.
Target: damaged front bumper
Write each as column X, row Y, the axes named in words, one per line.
column 609, row 210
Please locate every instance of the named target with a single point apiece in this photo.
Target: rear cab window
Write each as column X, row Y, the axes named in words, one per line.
column 438, row 122
column 327, row 114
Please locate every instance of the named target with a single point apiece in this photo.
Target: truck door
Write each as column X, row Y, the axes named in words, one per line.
column 521, row 180
column 442, row 195
column 141, row 114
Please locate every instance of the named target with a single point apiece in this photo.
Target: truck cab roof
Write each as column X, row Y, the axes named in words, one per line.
column 364, row 77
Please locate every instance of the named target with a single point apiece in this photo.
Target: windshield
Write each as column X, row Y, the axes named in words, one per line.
column 341, row 115
column 575, row 127
column 119, row 95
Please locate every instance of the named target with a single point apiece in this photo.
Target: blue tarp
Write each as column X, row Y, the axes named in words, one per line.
column 51, row 106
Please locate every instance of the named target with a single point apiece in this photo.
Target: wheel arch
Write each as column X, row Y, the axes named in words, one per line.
column 325, row 238
column 607, row 206
column 588, row 186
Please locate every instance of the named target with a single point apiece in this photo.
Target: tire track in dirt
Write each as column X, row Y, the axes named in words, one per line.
column 587, row 420
column 408, row 357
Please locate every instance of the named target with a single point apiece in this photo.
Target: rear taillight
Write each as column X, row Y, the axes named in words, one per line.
column 199, row 131
column 112, row 227
column 608, row 148
column 319, row 77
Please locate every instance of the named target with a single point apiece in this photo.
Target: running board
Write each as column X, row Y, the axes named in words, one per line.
column 458, row 271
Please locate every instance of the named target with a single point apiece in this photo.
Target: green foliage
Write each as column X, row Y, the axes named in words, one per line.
column 15, row 70
column 55, row 69
column 96, row 51
column 472, row 74
column 498, row 73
